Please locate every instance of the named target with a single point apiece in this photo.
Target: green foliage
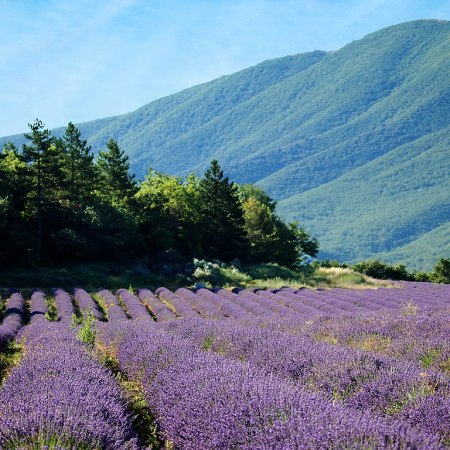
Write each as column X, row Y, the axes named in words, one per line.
column 305, row 245
column 216, row 273
column 44, row 158
column 167, row 209
column 353, row 143
column 271, row 270
column 328, row 263
column 260, row 227
column 86, row 332
column 441, row 272
column 80, row 172
column 144, row 421
column 9, row 358
column 222, row 218
column 43, row 440
column 381, row 271
column 429, row 357
column 52, row 207
column 52, row 312
column 116, row 183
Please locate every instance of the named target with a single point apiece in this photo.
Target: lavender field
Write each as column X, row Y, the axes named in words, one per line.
column 249, row 369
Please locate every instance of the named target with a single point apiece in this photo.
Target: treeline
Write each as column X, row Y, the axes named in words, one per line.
column 382, row 271
column 60, row 204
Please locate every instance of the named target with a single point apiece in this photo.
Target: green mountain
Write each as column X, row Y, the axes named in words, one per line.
column 352, row 143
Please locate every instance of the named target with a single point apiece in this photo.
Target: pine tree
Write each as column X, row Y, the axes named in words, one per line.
column 117, row 185
column 45, row 162
column 79, row 168
column 223, row 234
column 15, row 238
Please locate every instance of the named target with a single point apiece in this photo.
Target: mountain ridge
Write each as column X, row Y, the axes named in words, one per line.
column 303, row 125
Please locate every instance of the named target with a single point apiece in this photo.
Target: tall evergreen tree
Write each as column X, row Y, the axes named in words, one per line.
column 15, row 238
column 223, row 234
column 45, row 162
column 79, row 168
column 117, row 185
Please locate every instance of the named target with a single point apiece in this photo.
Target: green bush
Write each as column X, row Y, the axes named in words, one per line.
column 217, row 273
column 377, row 269
column 441, row 272
column 272, row 270
column 86, row 332
column 327, row 263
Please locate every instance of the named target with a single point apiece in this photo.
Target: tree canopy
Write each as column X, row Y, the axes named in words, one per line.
column 60, row 203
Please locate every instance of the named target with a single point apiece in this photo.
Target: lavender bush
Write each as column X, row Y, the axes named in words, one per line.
column 12, row 319
column 59, row 395
column 203, row 400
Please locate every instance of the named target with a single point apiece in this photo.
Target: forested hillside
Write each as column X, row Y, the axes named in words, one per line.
column 353, row 144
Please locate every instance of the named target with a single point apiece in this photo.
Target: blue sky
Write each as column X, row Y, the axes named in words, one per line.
column 82, row 60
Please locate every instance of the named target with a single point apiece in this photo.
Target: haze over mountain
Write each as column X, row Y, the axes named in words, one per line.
column 354, row 144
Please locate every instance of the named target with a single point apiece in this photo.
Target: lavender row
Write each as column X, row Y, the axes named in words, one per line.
column 182, row 308
column 86, row 303
column 313, row 302
column 160, row 310
column 421, row 338
column 60, row 395
column 361, row 380
column 38, row 307
column 287, row 303
column 114, row 311
column 253, row 308
column 64, row 306
column 305, row 308
column 227, row 307
column 208, row 309
column 136, row 310
column 423, row 295
column 202, row 400
column 276, row 308
column 12, row 319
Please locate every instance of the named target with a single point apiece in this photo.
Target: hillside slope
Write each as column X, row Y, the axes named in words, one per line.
column 388, row 204
column 353, row 143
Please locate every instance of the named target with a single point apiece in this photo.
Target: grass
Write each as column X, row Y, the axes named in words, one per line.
column 96, row 276
column 52, row 312
column 91, row 276
column 143, row 420
column 44, row 440
column 101, row 304
column 9, row 358
column 318, row 278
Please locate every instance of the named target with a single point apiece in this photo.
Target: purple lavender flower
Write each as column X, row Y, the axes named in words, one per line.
column 203, row 400
column 59, row 393
column 136, row 310
column 12, row 319
column 159, row 309
column 38, row 307
column 64, row 306
column 114, row 310
column 86, row 303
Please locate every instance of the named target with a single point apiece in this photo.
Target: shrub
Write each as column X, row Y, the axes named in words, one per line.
column 441, row 272
column 377, row 269
column 86, row 332
column 217, row 273
column 272, row 270
column 327, row 263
